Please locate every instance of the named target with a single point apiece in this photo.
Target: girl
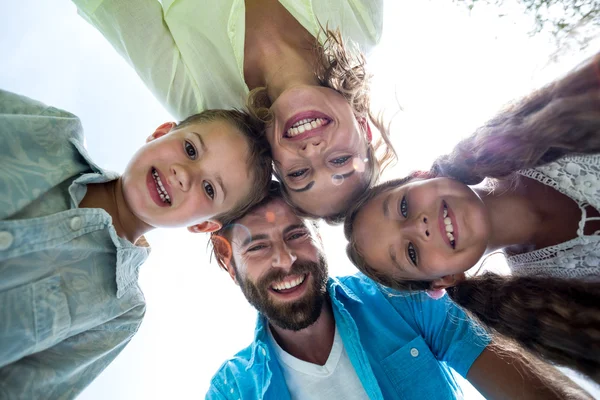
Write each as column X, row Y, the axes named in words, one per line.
column 540, row 206
column 316, row 92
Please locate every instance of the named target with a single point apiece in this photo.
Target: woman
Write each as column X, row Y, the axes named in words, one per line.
column 194, row 56
column 540, row 207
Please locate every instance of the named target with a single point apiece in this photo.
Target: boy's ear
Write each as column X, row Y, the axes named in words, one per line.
column 161, row 131
column 205, row 227
column 448, row 281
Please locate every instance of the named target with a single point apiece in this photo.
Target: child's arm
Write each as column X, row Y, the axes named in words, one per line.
column 64, row 370
column 137, row 30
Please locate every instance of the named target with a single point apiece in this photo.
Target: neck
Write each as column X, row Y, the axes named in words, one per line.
column 109, row 197
column 283, row 61
column 312, row 344
column 513, row 218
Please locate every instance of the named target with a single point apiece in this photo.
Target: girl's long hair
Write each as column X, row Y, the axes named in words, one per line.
column 556, row 319
column 560, row 119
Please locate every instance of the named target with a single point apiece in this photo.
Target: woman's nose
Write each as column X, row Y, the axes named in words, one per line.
column 312, row 146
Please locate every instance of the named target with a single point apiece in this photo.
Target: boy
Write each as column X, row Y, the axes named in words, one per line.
column 71, row 239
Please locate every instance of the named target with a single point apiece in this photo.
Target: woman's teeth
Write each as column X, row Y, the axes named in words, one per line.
column 449, row 227
column 289, row 284
column 305, row 125
column 164, row 196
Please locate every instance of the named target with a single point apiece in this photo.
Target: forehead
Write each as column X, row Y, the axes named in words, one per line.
column 273, row 217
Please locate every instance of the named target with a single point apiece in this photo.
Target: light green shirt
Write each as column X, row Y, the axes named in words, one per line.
column 190, row 53
column 69, row 294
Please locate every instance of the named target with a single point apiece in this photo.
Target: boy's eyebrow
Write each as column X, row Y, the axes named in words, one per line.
column 201, row 141
column 220, row 182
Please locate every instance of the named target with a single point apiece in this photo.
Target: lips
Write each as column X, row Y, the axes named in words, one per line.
column 290, row 289
column 158, row 188
column 310, row 115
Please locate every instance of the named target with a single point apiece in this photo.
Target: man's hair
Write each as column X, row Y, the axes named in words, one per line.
column 223, row 236
column 259, row 155
column 344, row 70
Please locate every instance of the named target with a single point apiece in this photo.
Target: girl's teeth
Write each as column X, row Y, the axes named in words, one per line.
column 449, row 228
column 450, row 236
column 445, row 212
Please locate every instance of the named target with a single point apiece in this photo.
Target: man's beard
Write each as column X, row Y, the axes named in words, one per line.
column 290, row 315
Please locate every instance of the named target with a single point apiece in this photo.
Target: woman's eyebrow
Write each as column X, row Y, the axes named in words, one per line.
column 305, row 188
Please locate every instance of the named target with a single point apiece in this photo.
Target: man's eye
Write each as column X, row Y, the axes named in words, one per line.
column 208, row 188
column 340, row 160
column 256, row 248
column 403, row 207
column 190, row 150
column 297, row 235
column 412, row 254
column 298, row 173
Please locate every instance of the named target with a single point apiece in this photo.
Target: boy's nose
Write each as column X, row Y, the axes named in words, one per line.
column 180, row 177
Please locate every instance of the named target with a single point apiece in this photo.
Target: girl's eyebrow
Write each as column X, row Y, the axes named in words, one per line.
column 386, row 206
column 392, row 253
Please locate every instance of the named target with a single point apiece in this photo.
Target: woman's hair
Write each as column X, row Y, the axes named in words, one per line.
column 258, row 159
column 560, row 119
column 344, row 71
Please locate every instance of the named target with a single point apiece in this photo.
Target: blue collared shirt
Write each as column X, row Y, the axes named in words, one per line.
column 401, row 346
column 69, row 296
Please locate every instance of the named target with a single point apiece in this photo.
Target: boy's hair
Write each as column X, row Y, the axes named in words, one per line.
column 343, row 70
column 223, row 235
column 259, row 155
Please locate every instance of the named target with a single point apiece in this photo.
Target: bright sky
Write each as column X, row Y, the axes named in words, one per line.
column 449, row 71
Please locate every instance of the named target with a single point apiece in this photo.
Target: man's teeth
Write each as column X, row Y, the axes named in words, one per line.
column 164, row 196
column 288, row 284
column 449, row 227
column 305, row 125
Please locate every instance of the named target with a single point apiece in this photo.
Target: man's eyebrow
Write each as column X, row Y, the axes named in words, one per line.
column 292, row 227
column 202, row 145
column 305, row 188
column 251, row 239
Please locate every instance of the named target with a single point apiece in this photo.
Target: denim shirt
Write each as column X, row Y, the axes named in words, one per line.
column 401, row 346
column 69, row 297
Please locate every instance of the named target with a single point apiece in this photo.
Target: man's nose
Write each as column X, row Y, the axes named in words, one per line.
column 283, row 256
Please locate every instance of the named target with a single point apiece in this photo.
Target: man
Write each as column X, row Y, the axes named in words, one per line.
column 345, row 338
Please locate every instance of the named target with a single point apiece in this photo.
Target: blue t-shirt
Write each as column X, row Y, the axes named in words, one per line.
column 401, row 345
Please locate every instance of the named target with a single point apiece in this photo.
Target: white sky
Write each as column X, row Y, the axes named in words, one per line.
column 449, row 71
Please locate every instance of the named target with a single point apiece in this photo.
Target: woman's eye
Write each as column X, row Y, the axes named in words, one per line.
column 340, row 160
column 190, row 150
column 403, row 207
column 412, row 254
column 208, row 188
column 298, row 173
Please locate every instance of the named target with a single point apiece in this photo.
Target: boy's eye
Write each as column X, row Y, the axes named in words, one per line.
column 298, row 173
column 403, row 207
column 190, row 150
column 412, row 254
column 208, row 188
column 340, row 160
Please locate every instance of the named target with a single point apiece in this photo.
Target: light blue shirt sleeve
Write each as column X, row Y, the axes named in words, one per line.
column 450, row 333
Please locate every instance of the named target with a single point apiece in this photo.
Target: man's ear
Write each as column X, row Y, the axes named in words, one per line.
column 448, row 281
column 366, row 127
column 205, row 227
column 161, row 131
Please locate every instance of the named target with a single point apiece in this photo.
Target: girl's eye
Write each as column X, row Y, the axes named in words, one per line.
column 208, row 188
column 412, row 254
column 190, row 150
column 340, row 160
column 298, row 173
column 403, row 207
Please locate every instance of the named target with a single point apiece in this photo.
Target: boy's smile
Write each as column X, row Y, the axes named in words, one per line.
column 160, row 192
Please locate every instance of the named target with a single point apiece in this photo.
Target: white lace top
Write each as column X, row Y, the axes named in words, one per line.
column 579, row 178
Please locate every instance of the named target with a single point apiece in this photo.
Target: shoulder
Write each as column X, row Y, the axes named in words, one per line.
column 234, row 370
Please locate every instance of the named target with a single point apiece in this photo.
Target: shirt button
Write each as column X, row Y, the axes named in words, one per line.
column 75, row 223
column 6, row 240
column 414, row 352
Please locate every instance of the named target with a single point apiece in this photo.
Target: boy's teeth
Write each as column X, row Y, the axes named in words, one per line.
column 305, row 125
column 164, row 196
